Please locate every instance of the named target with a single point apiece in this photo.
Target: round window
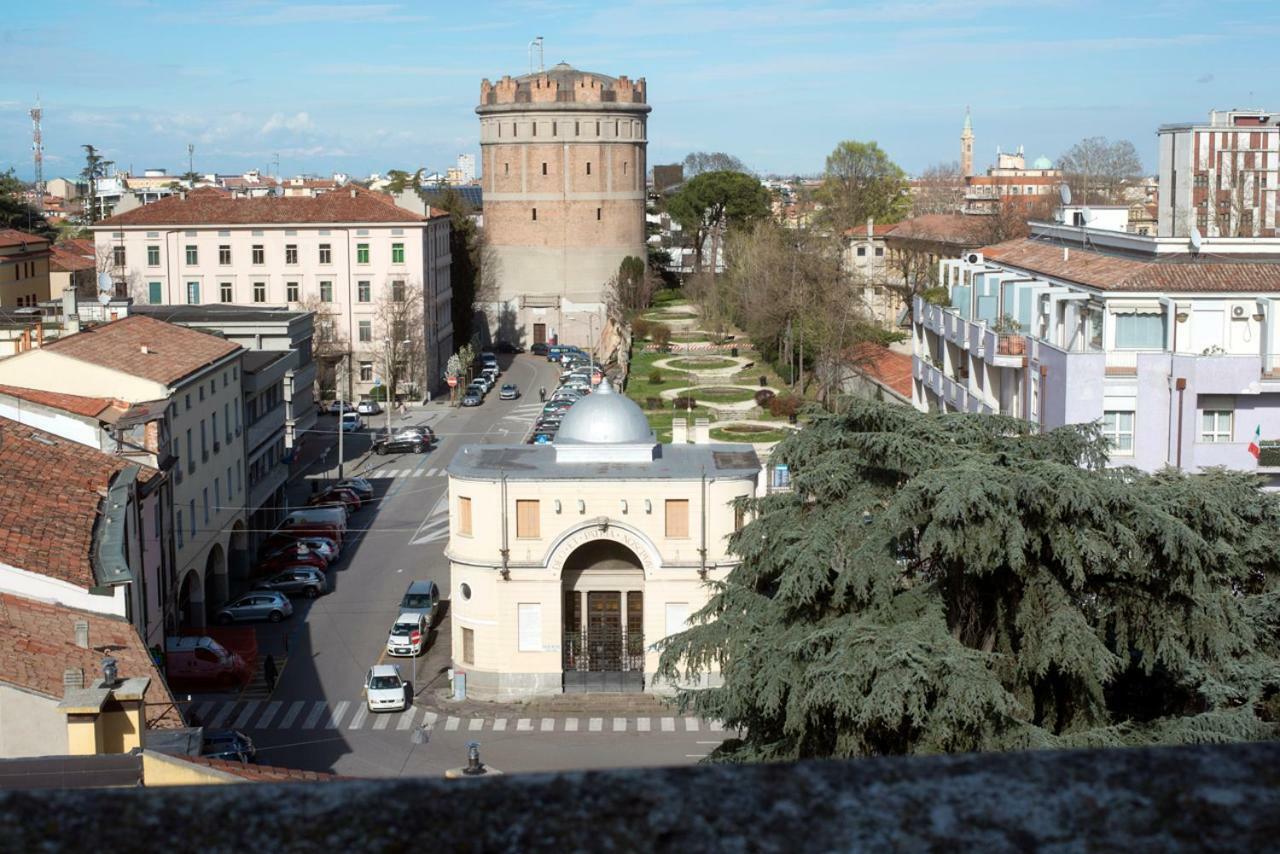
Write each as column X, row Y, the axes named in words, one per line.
column 465, row 590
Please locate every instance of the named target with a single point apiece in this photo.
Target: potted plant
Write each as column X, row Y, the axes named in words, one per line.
column 1010, row 341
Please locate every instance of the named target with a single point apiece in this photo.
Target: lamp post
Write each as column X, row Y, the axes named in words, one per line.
column 391, row 372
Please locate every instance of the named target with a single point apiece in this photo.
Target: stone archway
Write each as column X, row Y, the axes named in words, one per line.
column 239, row 560
column 215, row 577
column 602, row 586
column 191, row 602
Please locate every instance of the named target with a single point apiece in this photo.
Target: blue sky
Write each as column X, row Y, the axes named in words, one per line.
column 364, row 87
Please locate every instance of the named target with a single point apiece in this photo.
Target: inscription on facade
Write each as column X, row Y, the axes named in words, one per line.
column 639, row 547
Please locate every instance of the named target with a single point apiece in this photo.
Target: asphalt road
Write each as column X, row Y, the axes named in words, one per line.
column 315, row 718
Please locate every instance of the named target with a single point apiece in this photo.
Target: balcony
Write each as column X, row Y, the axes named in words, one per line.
column 266, row 427
column 950, row 391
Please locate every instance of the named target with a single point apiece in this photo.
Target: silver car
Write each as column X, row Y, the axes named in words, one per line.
column 257, row 605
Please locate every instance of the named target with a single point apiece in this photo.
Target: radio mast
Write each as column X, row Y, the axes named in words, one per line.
column 37, row 153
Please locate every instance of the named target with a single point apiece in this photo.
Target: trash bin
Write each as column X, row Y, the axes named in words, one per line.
column 733, row 351
column 764, row 381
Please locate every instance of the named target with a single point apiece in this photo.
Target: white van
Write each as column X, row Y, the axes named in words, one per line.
column 336, row 516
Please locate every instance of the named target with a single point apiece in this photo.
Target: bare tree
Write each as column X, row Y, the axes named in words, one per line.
column 400, row 351
column 938, row 189
column 697, row 162
column 1097, row 170
column 329, row 345
column 630, row 290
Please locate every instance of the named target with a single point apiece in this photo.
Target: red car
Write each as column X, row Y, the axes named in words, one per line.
column 347, row 497
column 289, row 558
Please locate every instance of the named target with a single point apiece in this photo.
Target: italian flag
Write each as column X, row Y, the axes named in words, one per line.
column 1255, row 447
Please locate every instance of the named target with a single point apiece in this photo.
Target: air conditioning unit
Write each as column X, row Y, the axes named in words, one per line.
column 973, row 258
column 1241, row 310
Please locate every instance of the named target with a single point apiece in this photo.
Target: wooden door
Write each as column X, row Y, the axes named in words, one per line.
column 604, row 630
column 539, row 333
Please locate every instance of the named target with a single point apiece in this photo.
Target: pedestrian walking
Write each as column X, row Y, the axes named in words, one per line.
column 269, row 673
column 542, row 394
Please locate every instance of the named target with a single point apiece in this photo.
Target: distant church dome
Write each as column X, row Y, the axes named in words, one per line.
column 1043, row 162
column 605, row 418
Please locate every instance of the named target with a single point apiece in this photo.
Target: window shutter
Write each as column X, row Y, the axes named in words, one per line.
column 464, row 516
column 677, row 517
column 527, row 519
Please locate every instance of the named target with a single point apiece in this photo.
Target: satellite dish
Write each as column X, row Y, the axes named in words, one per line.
column 1196, row 239
column 105, row 283
column 104, row 298
column 1086, row 215
column 1064, row 193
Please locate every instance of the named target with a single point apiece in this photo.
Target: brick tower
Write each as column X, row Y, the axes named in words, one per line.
column 563, row 159
column 966, row 146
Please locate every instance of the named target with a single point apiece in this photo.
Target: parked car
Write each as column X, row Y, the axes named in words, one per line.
column 297, row 581
column 408, row 636
column 490, row 374
column 554, row 352
column 510, row 391
column 200, row 661
column 292, row 530
column 256, row 605
column 228, row 744
column 351, row 422
column 507, row 347
column 402, row 442
column 422, row 430
column 292, row 557
column 479, row 387
column 369, row 407
column 359, row 485
column 539, row 349
column 542, row 437
column 292, row 542
column 472, row 398
column 384, row 690
column 320, row 515
column 340, row 406
column 485, row 380
column 421, row 597
column 338, row 495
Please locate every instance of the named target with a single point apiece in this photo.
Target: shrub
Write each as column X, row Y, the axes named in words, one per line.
column 655, row 377
column 784, row 406
column 684, row 403
column 764, row 397
column 640, row 328
column 653, row 403
column 660, row 334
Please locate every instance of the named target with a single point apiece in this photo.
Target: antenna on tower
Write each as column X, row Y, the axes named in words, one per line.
column 537, row 42
column 37, row 153
column 191, row 168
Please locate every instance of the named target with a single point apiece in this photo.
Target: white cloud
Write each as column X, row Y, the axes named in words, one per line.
column 279, row 121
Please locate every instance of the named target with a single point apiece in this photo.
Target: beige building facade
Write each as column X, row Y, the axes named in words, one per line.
column 570, row 561
column 563, row 155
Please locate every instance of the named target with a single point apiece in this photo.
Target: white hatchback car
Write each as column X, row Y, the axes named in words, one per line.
column 384, row 690
column 408, row 636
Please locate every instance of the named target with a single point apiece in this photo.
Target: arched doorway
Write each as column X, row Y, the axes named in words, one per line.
column 215, row 577
column 191, row 602
column 603, row 615
column 239, row 548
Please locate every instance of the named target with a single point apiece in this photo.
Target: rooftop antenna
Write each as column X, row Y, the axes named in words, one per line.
column 537, row 42
column 191, row 169
column 37, row 153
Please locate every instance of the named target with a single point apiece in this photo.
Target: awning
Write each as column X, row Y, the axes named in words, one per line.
column 1134, row 307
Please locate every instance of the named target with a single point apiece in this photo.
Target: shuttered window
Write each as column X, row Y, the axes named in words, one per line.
column 464, row 516
column 527, row 519
column 677, row 517
column 468, row 646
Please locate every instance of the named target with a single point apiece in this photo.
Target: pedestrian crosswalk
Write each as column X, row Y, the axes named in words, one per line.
column 354, row 715
column 400, row 471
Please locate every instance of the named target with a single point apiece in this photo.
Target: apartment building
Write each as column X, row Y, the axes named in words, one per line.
column 377, row 275
column 1220, row 176
column 195, row 380
column 1174, row 351
column 24, row 268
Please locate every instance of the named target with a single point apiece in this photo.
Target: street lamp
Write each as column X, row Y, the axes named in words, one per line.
column 390, row 373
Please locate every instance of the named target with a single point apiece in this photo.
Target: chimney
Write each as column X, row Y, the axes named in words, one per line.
column 145, row 349
column 353, row 192
column 72, row 679
column 182, row 195
column 82, row 634
column 70, row 305
column 871, row 226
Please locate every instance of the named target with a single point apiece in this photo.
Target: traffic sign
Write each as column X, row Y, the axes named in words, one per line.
column 451, row 380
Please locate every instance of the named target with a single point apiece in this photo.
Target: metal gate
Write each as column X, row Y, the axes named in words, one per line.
column 608, row 656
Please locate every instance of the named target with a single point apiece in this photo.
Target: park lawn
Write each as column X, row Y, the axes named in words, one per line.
column 719, row 434
column 690, row 337
column 638, row 385
column 722, row 394
column 667, row 297
column 702, row 363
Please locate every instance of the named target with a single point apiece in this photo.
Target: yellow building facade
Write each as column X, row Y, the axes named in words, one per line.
column 570, row 561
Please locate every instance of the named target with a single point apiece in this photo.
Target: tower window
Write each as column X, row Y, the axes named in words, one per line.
column 597, row 214
column 535, row 214
column 588, row 167
column 506, row 168
column 544, row 168
column 577, row 128
column 515, row 129
column 624, row 167
column 553, row 128
column 617, row 128
column 597, row 128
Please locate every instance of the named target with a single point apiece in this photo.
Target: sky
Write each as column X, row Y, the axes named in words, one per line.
column 366, row 87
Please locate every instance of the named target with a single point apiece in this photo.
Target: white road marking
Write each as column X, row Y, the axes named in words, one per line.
column 571, row 725
column 642, row 724
column 203, row 710
column 269, row 713
column 499, row 724
column 250, row 707
column 451, row 724
column 357, row 720
column 430, row 718
column 418, row 472
column 382, row 721
column 314, row 717
column 595, row 724
column 290, row 716
column 338, row 713
column 690, row 724
column 475, row 724
column 524, row 725
column 715, row 726
column 619, row 724
column 406, row 718
column 548, row 725
column 668, row 724
column 221, row 717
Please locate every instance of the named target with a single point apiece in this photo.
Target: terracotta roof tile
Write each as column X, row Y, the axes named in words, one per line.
column 262, row 773
column 879, row 229
column 958, row 229
column 13, row 237
column 50, row 492
column 208, row 206
column 1110, row 272
column 37, row 644
column 885, row 367
column 74, row 403
column 172, row 351
column 69, row 257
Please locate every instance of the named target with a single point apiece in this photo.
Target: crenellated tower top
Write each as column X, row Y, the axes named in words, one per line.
column 564, row 84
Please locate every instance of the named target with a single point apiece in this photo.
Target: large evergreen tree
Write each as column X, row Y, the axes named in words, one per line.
column 958, row 582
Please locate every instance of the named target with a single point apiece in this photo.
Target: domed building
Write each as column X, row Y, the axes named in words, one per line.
column 570, row 561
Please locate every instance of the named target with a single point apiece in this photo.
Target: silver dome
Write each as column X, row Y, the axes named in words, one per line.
column 605, row 418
